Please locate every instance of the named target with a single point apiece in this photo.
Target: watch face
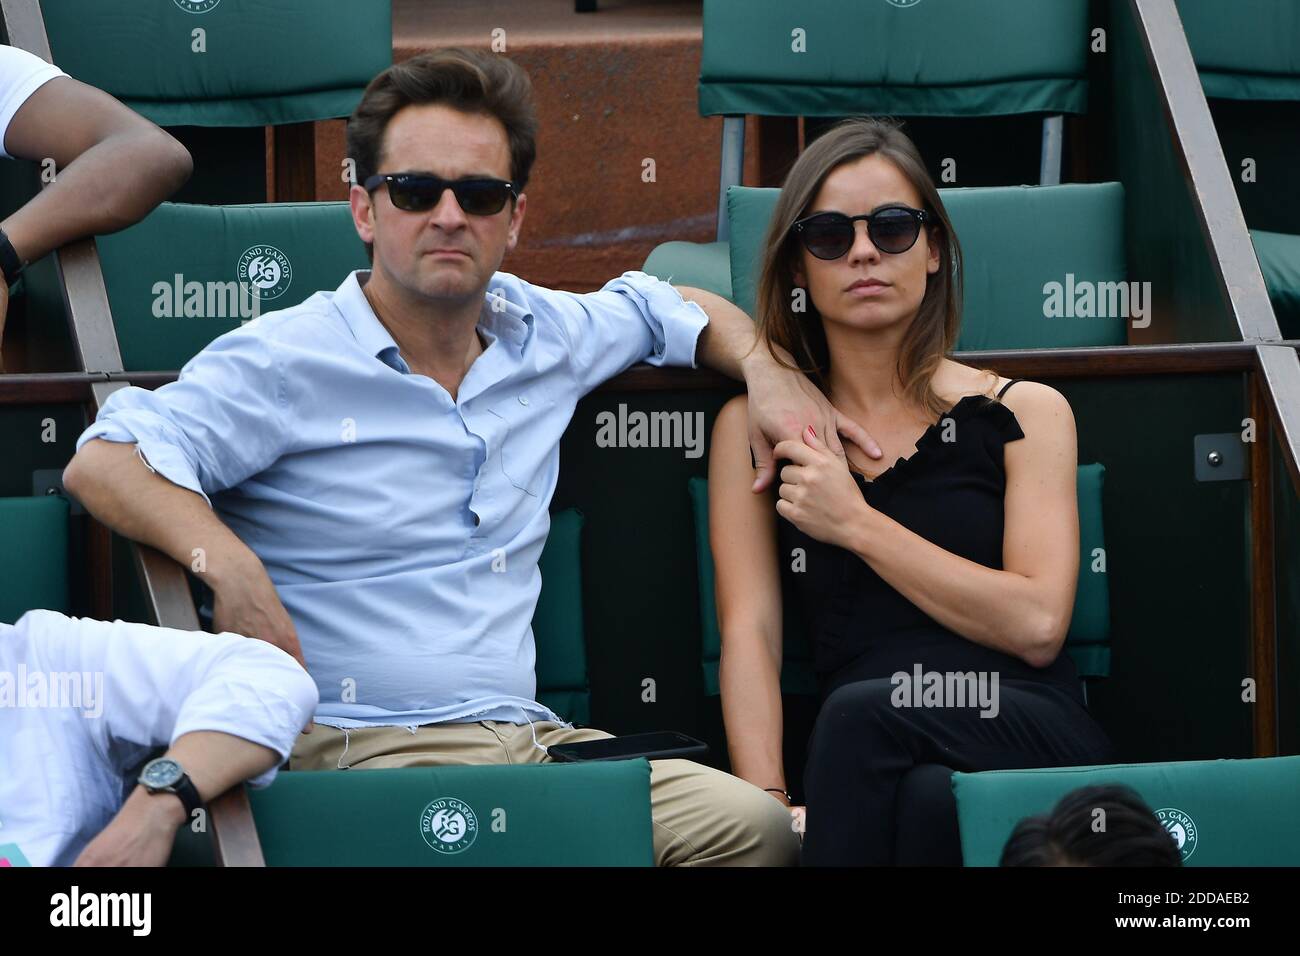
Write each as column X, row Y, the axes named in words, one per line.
column 161, row 773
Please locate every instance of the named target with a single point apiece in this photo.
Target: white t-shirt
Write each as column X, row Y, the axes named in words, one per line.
column 83, row 702
column 21, row 75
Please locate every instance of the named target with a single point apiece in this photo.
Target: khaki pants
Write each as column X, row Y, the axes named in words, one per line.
column 702, row 816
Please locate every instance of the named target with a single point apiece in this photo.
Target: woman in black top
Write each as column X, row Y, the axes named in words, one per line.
column 937, row 591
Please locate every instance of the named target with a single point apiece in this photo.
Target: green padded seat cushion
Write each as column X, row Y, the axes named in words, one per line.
column 33, row 556
column 1248, row 52
column 302, row 248
column 924, row 59
column 797, row 675
column 1279, row 260
column 580, row 814
column 557, row 622
column 1225, row 812
column 583, row 814
column 1005, row 296
column 701, row 265
column 261, row 65
column 1087, row 641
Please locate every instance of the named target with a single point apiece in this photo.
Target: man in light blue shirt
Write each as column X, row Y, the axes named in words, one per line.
column 367, row 454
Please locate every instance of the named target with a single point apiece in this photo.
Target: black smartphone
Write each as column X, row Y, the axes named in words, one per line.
column 659, row 745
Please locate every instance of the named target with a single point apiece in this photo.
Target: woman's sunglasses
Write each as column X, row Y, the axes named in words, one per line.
column 420, row 192
column 828, row 235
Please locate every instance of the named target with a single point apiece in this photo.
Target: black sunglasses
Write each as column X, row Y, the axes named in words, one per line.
column 894, row 229
column 420, row 192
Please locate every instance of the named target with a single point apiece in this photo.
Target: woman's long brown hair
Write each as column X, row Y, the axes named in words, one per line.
column 933, row 332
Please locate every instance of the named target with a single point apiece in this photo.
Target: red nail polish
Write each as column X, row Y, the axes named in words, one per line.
column 813, row 431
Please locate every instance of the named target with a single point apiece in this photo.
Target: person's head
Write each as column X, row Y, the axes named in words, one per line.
column 1104, row 825
column 908, row 252
column 459, row 115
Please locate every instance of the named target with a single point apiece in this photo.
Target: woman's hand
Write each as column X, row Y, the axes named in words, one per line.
column 818, row 493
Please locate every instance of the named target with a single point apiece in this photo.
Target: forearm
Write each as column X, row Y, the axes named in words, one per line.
column 142, row 832
column 115, row 183
column 750, row 681
column 115, row 486
column 727, row 344
column 1002, row 610
column 217, row 761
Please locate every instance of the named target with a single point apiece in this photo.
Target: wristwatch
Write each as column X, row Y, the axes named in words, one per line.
column 10, row 264
column 165, row 775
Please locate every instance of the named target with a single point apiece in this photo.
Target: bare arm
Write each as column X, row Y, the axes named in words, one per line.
column 143, row 831
column 742, row 535
column 115, row 486
column 1023, row 610
column 113, row 166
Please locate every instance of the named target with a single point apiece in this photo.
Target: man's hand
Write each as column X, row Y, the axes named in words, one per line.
column 818, row 493
column 245, row 602
column 141, row 834
column 782, row 404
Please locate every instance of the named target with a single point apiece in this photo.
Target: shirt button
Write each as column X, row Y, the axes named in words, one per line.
column 523, row 399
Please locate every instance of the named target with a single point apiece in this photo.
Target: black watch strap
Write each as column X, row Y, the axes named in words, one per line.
column 189, row 795
column 10, row 264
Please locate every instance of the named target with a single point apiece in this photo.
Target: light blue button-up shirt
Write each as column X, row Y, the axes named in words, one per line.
column 377, row 502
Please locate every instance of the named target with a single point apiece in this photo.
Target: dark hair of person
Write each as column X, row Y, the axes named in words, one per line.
column 1070, row 835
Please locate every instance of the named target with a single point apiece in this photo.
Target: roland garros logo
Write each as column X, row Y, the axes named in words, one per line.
column 449, row 825
column 1181, row 827
column 196, row 6
column 267, row 270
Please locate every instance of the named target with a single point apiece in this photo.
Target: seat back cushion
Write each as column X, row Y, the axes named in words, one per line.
column 1221, row 812
column 1061, row 288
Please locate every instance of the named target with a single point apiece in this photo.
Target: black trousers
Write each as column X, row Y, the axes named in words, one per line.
column 878, row 778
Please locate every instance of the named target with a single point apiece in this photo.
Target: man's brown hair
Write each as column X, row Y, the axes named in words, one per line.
column 472, row 81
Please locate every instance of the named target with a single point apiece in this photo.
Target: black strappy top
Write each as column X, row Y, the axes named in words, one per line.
column 951, row 492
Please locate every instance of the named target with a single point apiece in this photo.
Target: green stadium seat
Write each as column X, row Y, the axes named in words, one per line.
column 828, row 59
column 923, row 59
column 259, row 64
column 1251, row 53
column 285, row 252
column 1222, row 812
column 700, row 265
column 1245, row 51
column 1087, row 642
column 34, row 558
column 1004, row 298
column 217, row 74
column 582, row 814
